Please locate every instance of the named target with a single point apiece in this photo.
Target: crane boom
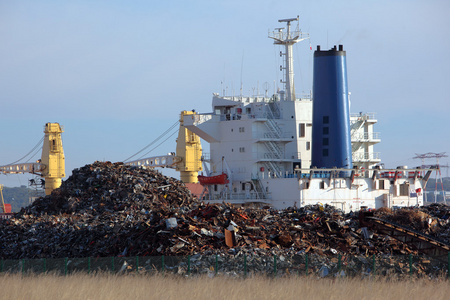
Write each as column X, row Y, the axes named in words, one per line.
column 33, row 168
column 164, row 161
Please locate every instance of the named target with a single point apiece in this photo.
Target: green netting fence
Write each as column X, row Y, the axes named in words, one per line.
column 242, row 265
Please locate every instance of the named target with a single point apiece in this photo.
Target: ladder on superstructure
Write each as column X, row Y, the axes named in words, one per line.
column 274, row 132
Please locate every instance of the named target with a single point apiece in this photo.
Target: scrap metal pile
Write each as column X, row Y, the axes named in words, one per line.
column 105, row 209
column 432, row 220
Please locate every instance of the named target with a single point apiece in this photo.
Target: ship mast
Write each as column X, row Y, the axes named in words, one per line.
column 288, row 39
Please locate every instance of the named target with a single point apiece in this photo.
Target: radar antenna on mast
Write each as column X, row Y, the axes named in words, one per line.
column 288, row 39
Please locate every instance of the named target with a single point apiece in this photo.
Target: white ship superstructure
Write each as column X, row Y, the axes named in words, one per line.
column 264, row 146
column 363, row 140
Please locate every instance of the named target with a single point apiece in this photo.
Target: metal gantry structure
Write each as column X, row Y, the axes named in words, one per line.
column 437, row 166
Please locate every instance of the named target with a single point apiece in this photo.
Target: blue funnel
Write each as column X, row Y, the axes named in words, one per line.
column 331, row 141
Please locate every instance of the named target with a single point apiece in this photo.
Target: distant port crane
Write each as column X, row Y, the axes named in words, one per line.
column 437, row 166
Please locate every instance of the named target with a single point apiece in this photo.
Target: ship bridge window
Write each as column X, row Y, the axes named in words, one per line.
column 302, row 130
column 247, row 186
column 322, row 185
column 404, row 189
column 381, row 184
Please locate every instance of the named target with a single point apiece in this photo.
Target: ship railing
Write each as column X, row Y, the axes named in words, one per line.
column 272, row 135
column 304, row 97
column 365, row 136
column 230, row 117
column 269, row 155
column 281, row 174
column 284, row 156
column 284, row 35
column 316, row 174
column 249, row 99
column 235, row 116
column 365, row 156
column 251, row 195
column 344, row 173
column 201, row 118
column 264, row 99
column 363, row 116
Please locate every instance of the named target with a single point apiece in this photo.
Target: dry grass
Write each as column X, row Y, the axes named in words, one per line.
column 103, row 286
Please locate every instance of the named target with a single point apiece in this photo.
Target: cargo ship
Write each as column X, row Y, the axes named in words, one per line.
column 287, row 151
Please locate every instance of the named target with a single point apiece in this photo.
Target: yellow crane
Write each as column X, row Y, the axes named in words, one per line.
column 51, row 166
column 189, row 149
column 3, row 202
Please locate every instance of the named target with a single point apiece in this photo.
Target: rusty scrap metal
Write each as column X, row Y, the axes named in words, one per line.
column 111, row 209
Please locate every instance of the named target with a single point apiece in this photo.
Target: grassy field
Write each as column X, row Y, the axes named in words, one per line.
column 103, row 286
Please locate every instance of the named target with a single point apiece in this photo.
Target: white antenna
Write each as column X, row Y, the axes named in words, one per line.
column 242, row 67
column 266, row 88
column 288, row 39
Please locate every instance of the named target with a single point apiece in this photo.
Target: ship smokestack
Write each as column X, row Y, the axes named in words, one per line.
column 331, row 142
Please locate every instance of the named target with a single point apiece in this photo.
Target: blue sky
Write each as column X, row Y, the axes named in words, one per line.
column 116, row 74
